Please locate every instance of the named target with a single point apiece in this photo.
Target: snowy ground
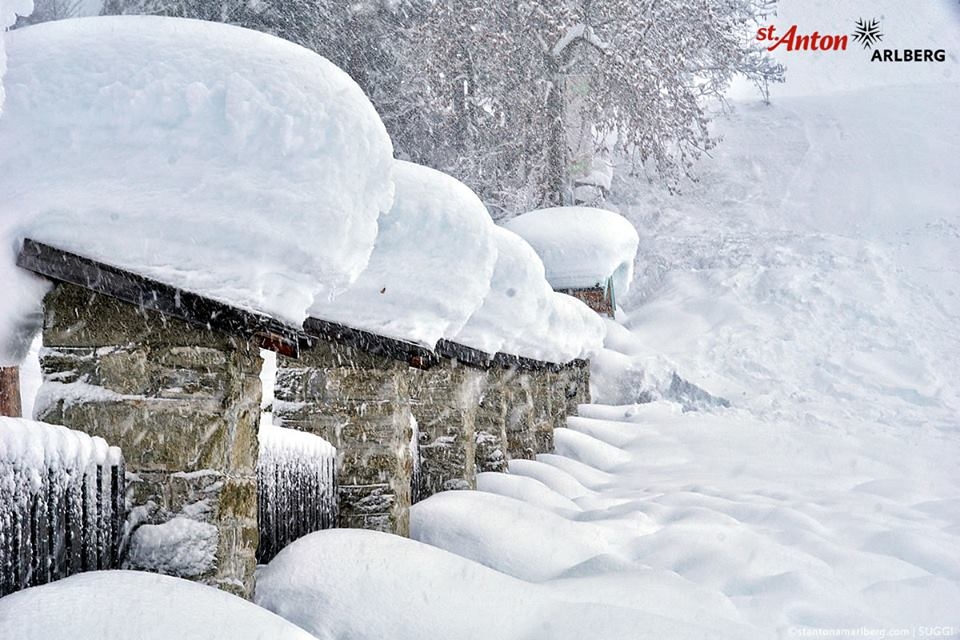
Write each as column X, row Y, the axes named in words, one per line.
column 810, row 278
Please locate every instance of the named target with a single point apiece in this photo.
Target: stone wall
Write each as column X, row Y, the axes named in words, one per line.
column 548, row 406
column 575, row 378
column 445, row 401
column 519, row 387
column 182, row 403
column 359, row 402
column 491, row 421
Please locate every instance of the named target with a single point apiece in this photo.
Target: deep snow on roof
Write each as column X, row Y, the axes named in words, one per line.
column 248, row 170
column 431, row 264
column 223, row 161
column 580, row 246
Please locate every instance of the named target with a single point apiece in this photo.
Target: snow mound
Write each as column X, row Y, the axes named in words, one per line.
column 116, row 605
column 431, row 264
column 513, row 536
column 528, row 490
column 589, row 450
column 581, row 246
column 220, row 160
column 178, row 547
column 365, row 585
column 555, row 479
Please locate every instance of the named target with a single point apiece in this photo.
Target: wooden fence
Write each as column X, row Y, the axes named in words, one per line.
column 62, row 504
column 296, row 486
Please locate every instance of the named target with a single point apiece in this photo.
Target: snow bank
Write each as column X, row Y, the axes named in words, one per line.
column 366, row 585
column 220, row 160
column 431, row 264
column 511, row 536
column 115, row 605
column 581, row 246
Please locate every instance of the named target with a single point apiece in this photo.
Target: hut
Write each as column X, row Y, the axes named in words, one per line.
column 588, row 253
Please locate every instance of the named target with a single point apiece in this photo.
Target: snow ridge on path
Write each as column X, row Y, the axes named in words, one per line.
column 777, row 527
column 344, row 583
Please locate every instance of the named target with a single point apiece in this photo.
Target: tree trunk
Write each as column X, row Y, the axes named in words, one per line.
column 10, row 392
column 556, row 171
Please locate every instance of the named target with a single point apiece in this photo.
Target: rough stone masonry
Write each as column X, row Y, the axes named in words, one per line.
column 359, row 402
column 183, row 404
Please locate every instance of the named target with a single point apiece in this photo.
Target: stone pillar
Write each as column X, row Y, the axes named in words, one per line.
column 359, row 402
column 543, row 385
column 183, row 403
column 445, row 399
column 491, row 423
column 576, row 380
column 520, row 425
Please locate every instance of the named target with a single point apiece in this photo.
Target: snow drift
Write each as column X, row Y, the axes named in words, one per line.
column 347, row 583
column 115, row 605
column 223, row 161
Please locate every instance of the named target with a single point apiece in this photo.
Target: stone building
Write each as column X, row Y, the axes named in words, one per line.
column 172, row 378
column 587, row 253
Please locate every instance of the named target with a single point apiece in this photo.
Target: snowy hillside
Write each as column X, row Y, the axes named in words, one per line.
column 815, row 263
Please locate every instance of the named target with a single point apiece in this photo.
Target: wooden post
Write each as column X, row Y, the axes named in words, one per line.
column 10, row 392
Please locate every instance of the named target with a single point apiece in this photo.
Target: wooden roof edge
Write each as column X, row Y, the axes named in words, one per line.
column 269, row 333
column 413, row 354
column 469, row 356
column 58, row 264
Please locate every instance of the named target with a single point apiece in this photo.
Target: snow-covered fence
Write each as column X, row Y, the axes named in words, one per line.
column 62, row 503
column 296, row 486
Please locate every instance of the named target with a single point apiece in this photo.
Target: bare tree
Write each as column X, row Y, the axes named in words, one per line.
column 498, row 73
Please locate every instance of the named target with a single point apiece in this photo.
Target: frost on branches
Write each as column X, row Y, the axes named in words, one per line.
column 497, row 75
column 480, row 89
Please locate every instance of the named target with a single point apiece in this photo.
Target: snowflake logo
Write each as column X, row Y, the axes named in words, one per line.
column 867, row 32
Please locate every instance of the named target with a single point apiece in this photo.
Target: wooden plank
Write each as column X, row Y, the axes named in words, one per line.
column 464, row 354
column 152, row 295
column 10, row 392
column 414, row 355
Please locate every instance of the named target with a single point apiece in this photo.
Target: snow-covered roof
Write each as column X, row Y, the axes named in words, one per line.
column 247, row 170
column 431, row 264
column 223, row 161
column 581, row 246
column 522, row 315
column 518, row 297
